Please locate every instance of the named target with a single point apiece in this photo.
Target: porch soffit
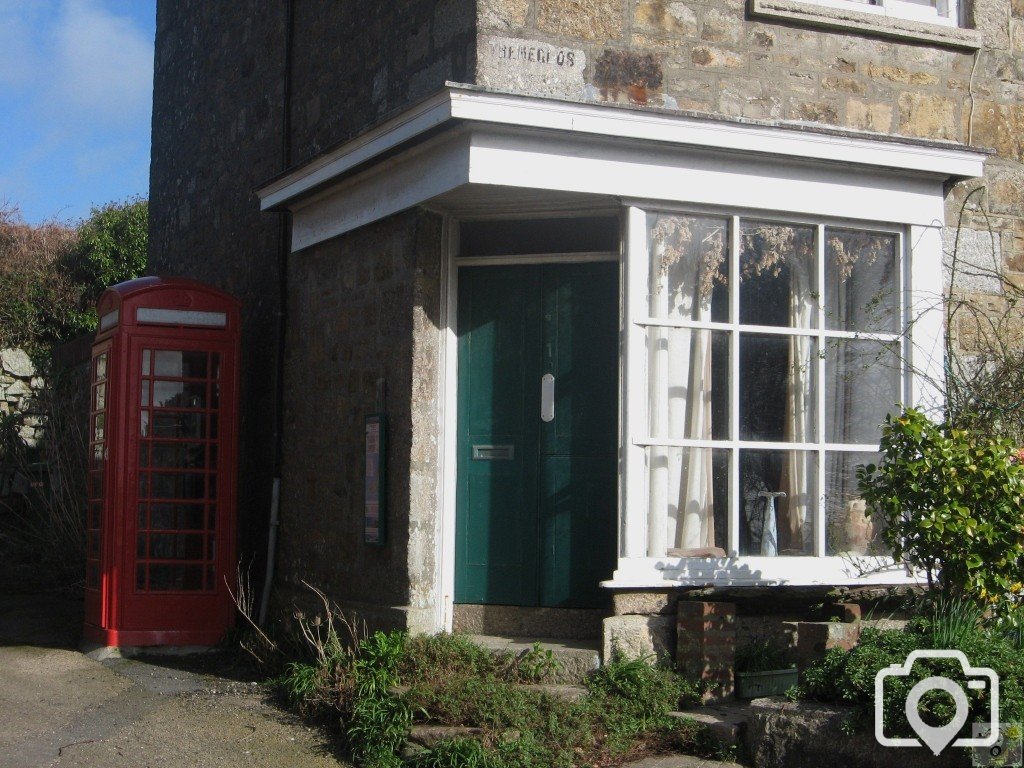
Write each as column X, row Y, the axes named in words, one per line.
column 538, row 152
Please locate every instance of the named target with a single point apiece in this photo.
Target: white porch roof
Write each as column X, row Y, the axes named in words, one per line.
column 470, row 151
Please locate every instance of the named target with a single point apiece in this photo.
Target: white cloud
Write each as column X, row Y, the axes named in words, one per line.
column 76, row 80
column 102, row 64
column 20, row 54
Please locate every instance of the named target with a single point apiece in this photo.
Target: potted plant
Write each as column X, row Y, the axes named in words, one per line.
column 763, row 668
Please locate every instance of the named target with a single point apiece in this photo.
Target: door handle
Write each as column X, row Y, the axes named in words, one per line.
column 547, row 397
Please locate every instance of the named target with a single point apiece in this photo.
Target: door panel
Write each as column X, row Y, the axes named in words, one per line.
column 579, row 446
column 499, row 324
column 536, row 500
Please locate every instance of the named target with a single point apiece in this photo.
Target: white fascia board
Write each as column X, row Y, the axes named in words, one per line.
column 573, row 119
column 635, row 170
column 417, row 120
column 732, row 136
column 436, row 167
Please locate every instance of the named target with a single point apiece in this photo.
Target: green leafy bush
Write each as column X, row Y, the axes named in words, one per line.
column 51, row 274
column 848, row 677
column 950, row 502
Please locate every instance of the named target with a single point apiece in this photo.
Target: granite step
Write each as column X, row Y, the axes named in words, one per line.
column 576, row 658
column 726, row 722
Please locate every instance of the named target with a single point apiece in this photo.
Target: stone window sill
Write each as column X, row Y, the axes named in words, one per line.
column 883, row 26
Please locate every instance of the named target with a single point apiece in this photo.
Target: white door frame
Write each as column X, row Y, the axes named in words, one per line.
column 448, row 413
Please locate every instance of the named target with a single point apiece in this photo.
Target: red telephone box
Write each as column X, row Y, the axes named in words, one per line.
column 160, row 539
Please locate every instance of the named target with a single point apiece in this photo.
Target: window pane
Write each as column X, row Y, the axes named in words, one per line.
column 689, row 267
column 688, row 493
column 778, row 281
column 777, row 388
column 186, row 365
column 178, row 486
column 179, row 455
column 179, row 394
column 178, row 425
column 849, row 529
column 861, row 281
column 862, row 385
column 177, row 517
column 688, row 383
column 778, row 505
column 175, row 577
column 170, row 546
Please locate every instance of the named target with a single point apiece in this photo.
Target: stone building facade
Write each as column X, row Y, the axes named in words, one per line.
column 349, row 125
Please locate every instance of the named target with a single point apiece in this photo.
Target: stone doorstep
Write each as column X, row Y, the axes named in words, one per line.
column 576, row 658
column 427, row 736
column 556, row 691
column 726, row 722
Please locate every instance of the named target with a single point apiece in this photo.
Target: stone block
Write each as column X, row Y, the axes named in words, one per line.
column 785, row 734
column 816, row 112
column 17, row 363
column 720, row 27
column 717, row 58
column 814, row 638
column 978, row 260
column 672, row 18
column 869, row 116
column 598, row 20
column 928, row 116
column 643, row 603
column 502, row 15
column 1000, row 127
column 639, row 637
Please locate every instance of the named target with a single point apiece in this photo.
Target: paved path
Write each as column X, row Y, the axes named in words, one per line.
column 60, row 708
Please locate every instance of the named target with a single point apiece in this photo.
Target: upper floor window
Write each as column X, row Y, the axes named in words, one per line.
column 933, row 11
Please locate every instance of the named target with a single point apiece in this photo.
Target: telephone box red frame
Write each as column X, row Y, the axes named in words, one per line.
column 163, row 416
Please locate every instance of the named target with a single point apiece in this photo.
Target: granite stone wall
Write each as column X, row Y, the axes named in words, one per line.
column 219, row 131
column 365, row 322
column 20, row 390
column 715, row 57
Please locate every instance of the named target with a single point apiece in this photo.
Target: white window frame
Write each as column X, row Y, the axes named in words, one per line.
column 643, row 562
column 638, row 373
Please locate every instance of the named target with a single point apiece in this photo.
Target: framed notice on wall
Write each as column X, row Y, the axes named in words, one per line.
column 375, row 510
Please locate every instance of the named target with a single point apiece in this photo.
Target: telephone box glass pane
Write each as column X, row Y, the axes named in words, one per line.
column 180, row 365
column 179, row 394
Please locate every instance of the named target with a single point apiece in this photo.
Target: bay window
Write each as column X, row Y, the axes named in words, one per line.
column 773, row 351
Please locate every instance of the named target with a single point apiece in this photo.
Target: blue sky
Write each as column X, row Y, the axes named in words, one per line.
column 76, row 84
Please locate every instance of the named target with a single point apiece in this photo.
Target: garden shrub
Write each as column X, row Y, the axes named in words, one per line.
column 950, row 502
column 848, row 677
column 51, row 274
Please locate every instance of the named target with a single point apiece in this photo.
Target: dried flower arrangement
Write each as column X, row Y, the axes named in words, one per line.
column 679, row 235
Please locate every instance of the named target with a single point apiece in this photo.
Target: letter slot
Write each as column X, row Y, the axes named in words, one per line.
column 494, row 452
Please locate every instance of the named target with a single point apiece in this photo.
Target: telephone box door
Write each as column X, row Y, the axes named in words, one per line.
column 178, row 540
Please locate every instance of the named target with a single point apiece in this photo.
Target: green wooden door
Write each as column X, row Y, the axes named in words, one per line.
column 536, row 495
